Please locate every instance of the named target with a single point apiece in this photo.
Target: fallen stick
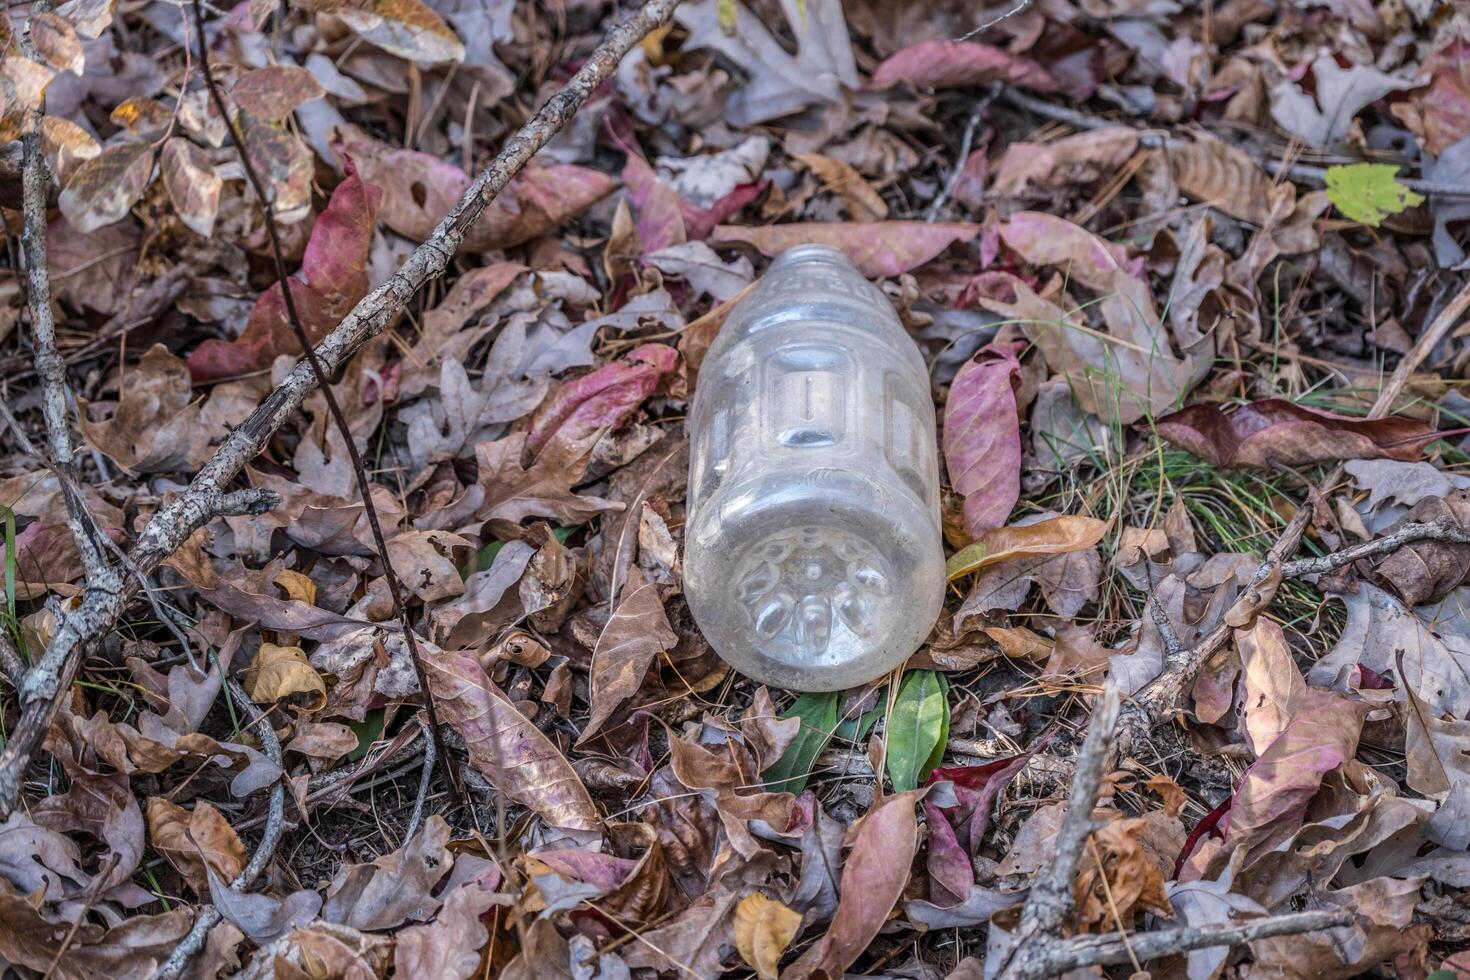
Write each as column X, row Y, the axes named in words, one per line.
column 1050, row 903
column 205, row 497
column 207, row 919
column 1108, row 950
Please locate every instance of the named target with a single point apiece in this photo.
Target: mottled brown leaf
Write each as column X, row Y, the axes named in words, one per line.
column 272, row 93
column 504, row 746
column 103, row 189
column 56, row 41
column 188, row 839
column 636, row 633
column 192, row 184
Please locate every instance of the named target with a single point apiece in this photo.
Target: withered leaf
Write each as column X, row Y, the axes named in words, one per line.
column 636, row 633
column 504, row 746
column 272, row 93
column 56, row 41
column 281, row 672
column 982, row 437
column 1424, row 571
column 1052, row 536
column 189, row 839
column 763, row 929
column 878, row 248
column 192, row 184
column 103, row 189
column 1278, row 431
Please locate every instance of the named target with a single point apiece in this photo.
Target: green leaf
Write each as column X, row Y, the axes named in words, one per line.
column 1368, row 192
column 917, row 729
column 10, row 561
column 368, row 731
column 818, row 714
column 725, row 11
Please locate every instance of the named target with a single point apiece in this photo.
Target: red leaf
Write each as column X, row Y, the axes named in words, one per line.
column 959, row 64
column 879, row 248
column 600, row 400
column 659, row 209
column 1279, row 431
column 873, row 879
column 332, row 279
column 982, row 436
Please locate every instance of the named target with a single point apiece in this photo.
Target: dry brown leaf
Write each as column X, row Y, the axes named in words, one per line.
column 763, row 929
column 1053, row 536
column 1226, row 177
column 1273, row 688
column 188, row 839
column 503, row 745
column 863, row 203
column 296, row 586
column 636, row 633
column 280, row 672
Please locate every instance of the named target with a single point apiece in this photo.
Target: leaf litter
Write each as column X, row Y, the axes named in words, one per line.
column 1152, row 334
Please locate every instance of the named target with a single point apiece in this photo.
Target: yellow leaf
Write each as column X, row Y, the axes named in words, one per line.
column 1055, row 536
column 281, row 672
column 297, row 586
column 763, row 929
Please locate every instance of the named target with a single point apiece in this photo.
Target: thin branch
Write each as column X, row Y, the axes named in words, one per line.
column 1050, row 903
column 174, row 522
column 275, row 822
column 425, row 777
column 1441, row 530
column 1112, row 949
column 334, row 408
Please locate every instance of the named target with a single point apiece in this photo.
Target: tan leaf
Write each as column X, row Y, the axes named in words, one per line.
column 296, row 586
column 56, row 41
column 283, row 672
column 192, row 184
column 1227, row 178
column 142, row 116
column 1273, row 686
column 636, row 633
column 763, row 929
column 1055, row 536
column 863, row 203
column 406, row 28
column 1019, row 643
column 272, row 93
column 187, row 839
column 503, row 745
column 156, row 424
column 284, row 162
column 66, row 145
column 104, row 188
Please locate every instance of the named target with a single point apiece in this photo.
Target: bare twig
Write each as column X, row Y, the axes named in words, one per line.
column 1080, row 952
column 1019, row 6
column 959, row 166
column 425, row 777
column 275, row 822
column 1442, row 530
column 206, row 497
column 334, row 408
column 1050, row 903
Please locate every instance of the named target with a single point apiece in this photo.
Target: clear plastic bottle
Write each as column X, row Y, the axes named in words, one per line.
column 813, row 554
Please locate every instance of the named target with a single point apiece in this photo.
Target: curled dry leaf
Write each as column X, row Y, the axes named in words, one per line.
column 279, row 673
column 56, row 41
column 503, row 745
column 272, row 93
column 763, row 929
column 1422, row 572
column 103, row 189
column 878, row 248
column 190, row 839
column 1226, row 177
column 192, row 184
column 1278, row 431
column 1054, row 536
column 982, row 437
column 873, row 880
column 636, row 633
column 407, row 28
column 1081, row 158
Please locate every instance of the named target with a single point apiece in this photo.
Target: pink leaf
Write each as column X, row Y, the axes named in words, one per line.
column 332, row 279
column 601, row 400
column 982, row 437
column 879, row 248
column 957, row 64
column 1271, row 801
column 659, row 209
column 1045, row 239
